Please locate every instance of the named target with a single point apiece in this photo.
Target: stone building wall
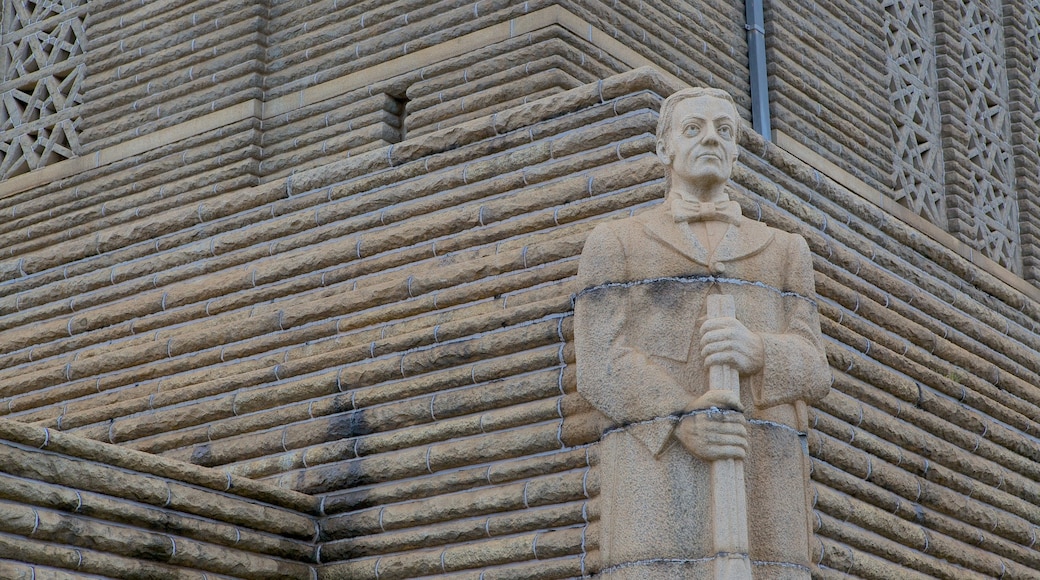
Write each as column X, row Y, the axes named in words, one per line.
column 42, row 62
column 78, row 508
column 331, row 247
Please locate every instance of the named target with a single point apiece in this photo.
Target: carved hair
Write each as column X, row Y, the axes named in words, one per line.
column 668, row 108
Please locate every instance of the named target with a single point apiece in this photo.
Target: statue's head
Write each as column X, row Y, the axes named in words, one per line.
column 697, row 135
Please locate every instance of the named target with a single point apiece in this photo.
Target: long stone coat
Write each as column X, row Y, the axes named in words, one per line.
column 636, row 334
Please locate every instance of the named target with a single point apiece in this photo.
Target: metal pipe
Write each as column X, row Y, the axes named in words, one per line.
column 756, row 38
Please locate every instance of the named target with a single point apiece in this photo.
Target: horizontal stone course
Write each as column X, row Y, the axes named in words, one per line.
column 825, row 72
column 155, row 69
column 942, row 476
column 307, row 426
column 167, row 299
column 502, row 96
column 550, row 544
column 71, row 206
column 388, row 32
column 23, row 264
column 519, row 50
column 389, row 332
column 902, row 274
column 21, row 571
column 552, row 490
column 873, row 556
column 458, row 292
column 709, row 48
column 114, row 509
column 870, row 287
column 114, row 457
column 890, row 483
column 79, row 563
column 74, row 506
column 456, row 530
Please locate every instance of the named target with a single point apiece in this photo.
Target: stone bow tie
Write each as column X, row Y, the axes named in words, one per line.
column 694, row 211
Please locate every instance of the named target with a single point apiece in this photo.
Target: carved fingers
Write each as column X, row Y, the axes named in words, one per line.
column 726, row 341
column 718, row 398
column 714, row 435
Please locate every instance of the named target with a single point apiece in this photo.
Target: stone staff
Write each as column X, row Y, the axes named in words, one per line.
column 729, row 495
column 645, row 363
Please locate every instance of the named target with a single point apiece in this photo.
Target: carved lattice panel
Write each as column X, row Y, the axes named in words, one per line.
column 19, row 14
column 1032, row 26
column 994, row 229
column 43, row 70
column 918, row 160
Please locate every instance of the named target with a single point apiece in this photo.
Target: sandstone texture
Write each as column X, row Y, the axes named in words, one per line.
column 300, row 302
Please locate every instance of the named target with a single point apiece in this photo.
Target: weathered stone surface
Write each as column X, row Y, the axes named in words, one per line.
column 676, row 498
column 90, row 508
column 250, row 250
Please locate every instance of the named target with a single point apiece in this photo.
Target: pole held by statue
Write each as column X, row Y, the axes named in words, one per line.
column 729, row 493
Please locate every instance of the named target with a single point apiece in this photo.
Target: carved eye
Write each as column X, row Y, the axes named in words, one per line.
column 691, row 130
column 726, row 132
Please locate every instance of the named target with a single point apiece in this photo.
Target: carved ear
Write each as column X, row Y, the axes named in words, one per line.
column 663, row 153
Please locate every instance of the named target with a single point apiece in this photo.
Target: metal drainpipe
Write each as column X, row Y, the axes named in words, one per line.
column 756, row 37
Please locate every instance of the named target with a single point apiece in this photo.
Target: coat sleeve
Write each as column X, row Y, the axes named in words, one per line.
column 796, row 366
column 616, row 378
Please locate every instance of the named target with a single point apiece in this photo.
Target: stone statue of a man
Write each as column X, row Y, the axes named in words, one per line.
column 646, row 346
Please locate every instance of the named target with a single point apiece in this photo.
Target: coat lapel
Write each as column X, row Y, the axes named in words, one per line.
column 659, row 225
column 741, row 241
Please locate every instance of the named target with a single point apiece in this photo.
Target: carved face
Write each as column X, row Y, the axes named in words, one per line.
column 701, row 144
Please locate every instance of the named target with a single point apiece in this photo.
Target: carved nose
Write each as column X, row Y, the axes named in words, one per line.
column 710, row 135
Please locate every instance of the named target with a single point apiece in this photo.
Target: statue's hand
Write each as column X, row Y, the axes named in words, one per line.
column 719, row 398
column 727, row 341
column 714, row 435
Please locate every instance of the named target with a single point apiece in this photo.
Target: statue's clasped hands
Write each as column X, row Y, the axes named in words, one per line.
column 720, row 432
column 714, row 435
column 726, row 341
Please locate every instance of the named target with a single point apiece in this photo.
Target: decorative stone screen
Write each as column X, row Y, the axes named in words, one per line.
column 918, row 160
column 1032, row 27
column 984, row 208
column 1022, row 51
column 43, row 67
column 250, row 276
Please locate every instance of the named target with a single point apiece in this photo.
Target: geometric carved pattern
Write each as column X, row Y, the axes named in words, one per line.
column 43, row 70
column 995, row 227
column 913, row 95
column 1021, row 20
column 1032, row 26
